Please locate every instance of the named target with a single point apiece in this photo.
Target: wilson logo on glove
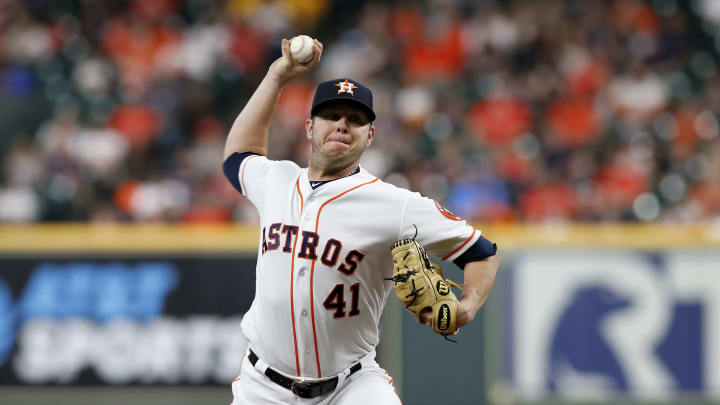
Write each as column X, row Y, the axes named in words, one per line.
column 442, row 288
column 444, row 316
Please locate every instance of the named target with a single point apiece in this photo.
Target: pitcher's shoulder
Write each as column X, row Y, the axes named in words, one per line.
column 283, row 169
column 389, row 191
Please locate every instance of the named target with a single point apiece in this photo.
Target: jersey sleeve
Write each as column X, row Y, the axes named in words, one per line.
column 257, row 174
column 231, row 168
column 443, row 234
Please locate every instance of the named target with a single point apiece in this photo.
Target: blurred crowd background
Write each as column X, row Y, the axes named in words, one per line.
column 543, row 110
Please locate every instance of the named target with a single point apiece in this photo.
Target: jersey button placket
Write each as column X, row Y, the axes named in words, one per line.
column 302, row 286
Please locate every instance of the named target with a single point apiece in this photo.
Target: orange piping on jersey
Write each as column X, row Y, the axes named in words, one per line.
column 391, row 383
column 292, row 282
column 241, row 360
column 312, row 269
column 460, row 247
column 242, row 173
column 297, row 185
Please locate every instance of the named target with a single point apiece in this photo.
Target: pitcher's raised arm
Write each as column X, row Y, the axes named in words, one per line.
column 249, row 132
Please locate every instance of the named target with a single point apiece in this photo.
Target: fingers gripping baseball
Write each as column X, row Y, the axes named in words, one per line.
column 286, row 68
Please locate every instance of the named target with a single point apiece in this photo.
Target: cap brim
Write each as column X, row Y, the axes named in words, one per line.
column 330, row 100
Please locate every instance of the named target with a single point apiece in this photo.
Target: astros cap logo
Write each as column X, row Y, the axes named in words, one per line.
column 346, row 87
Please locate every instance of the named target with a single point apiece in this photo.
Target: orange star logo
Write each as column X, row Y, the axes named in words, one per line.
column 346, row 87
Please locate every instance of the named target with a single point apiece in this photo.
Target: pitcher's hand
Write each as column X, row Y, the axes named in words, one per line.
column 285, row 68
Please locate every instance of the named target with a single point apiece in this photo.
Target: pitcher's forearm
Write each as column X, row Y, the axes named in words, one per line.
column 479, row 279
column 249, row 132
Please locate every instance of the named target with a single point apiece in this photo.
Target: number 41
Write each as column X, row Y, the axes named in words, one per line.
column 336, row 300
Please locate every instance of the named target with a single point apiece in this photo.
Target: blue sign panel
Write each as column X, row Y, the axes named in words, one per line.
column 169, row 321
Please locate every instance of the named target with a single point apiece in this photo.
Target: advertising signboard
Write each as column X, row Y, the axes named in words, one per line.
column 597, row 324
column 119, row 320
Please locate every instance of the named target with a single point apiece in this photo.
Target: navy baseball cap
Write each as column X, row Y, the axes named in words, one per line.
column 346, row 90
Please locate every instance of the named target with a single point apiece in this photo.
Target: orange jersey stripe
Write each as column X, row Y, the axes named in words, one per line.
column 312, row 315
column 312, row 269
column 460, row 247
column 292, row 278
column 317, row 220
column 297, row 185
column 241, row 360
column 242, row 173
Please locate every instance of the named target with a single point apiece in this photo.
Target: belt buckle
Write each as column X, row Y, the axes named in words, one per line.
column 302, row 389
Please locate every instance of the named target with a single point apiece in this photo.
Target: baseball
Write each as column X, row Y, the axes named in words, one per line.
column 301, row 48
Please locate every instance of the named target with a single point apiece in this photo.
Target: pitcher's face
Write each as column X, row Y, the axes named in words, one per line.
column 339, row 133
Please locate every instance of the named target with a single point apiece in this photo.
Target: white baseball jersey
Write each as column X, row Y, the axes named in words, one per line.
column 322, row 259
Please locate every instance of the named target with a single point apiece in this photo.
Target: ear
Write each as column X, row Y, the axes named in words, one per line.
column 308, row 128
column 371, row 135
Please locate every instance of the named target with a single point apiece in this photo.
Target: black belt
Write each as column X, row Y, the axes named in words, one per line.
column 310, row 389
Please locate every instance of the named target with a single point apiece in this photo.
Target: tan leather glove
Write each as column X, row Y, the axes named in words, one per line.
column 419, row 284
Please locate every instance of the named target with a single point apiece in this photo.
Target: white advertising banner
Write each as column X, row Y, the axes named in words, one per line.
column 594, row 324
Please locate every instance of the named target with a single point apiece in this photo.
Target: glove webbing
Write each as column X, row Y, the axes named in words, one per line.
column 403, row 277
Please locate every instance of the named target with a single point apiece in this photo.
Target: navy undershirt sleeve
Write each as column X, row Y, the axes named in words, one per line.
column 231, row 167
column 480, row 250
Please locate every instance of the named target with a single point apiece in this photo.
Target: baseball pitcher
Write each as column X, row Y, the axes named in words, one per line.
column 335, row 241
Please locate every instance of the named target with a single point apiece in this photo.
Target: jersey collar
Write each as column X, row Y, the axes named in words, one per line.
column 332, row 186
column 317, row 183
